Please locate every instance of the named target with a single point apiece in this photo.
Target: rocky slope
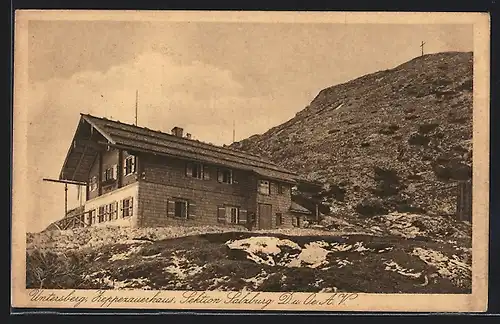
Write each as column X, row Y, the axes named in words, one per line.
column 398, row 139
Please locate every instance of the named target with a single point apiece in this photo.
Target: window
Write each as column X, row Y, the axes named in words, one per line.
column 279, row 219
column 177, row 209
column 181, row 209
column 225, row 176
column 281, row 188
column 100, row 216
column 112, row 211
column 232, row 215
column 264, row 187
column 109, row 174
column 93, row 183
column 129, row 165
column 194, row 170
column 127, row 207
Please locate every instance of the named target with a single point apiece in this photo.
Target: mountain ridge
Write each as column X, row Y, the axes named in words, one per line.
column 395, row 139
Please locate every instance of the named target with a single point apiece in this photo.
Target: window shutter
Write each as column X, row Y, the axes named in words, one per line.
column 189, row 169
column 116, row 210
column 220, row 177
column 206, row 173
column 191, row 210
column 171, row 208
column 131, row 206
column 221, row 214
column 134, row 163
column 228, row 215
column 115, row 171
column 243, row 216
column 121, row 208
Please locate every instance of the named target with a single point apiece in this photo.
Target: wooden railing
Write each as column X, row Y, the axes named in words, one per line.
column 73, row 221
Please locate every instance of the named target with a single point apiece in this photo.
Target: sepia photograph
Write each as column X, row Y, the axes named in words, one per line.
column 258, row 160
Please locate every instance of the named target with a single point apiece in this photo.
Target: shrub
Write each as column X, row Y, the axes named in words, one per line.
column 453, row 171
column 466, row 85
column 458, row 120
column 388, row 182
column 415, row 176
column 389, row 129
column 408, row 208
column 427, row 128
column 411, row 117
column 418, row 139
column 45, row 269
column 272, row 283
column 385, row 174
column 371, row 207
column 337, row 192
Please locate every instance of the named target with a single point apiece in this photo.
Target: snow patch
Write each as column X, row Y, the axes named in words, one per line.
column 152, row 256
column 339, row 106
column 451, row 268
column 217, row 284
column 125, row 255
column 313, row 256
column 181, row 268
column 394, row 267
column 260, row 249
column 257, row 280
column 342, row 263
column 328, row 290
column 276, row 252
column 104, row 278
column 340, row 247
column 132, row 283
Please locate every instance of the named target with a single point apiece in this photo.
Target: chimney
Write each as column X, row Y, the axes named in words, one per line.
column 177, row 131
column 188, row 135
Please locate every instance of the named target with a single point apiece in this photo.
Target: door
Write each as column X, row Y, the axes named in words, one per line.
column 265, row 213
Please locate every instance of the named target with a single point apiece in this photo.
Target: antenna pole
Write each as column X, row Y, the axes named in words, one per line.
column 233, row 130
column 65, row 199
column 136, row 104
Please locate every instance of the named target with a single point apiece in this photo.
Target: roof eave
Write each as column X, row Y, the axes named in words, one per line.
column 68, row 153
column 101, row 131
column 290, row 180
column 83, row 117
column 301, row 211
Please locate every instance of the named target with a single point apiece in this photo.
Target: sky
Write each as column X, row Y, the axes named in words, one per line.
column 201, row 76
